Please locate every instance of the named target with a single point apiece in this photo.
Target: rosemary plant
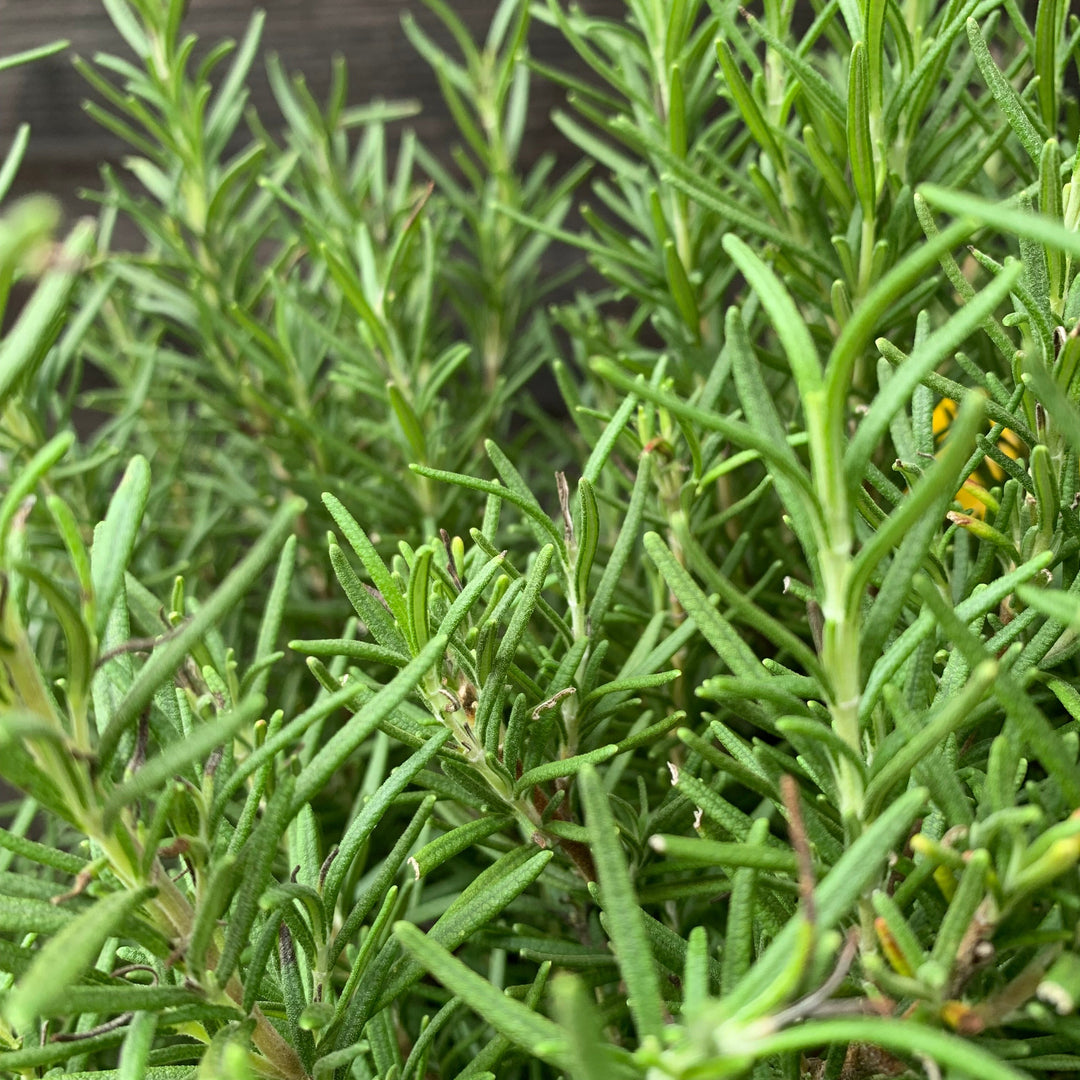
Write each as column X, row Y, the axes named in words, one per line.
column 363, row 719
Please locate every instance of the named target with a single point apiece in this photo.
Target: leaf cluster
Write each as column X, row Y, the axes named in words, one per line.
column 352, row 742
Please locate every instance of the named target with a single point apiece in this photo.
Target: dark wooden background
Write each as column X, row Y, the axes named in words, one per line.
column 67, row 148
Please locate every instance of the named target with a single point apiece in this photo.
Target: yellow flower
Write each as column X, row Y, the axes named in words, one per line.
column 973, row 496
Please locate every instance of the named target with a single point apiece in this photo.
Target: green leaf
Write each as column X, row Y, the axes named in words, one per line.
column 378, row 890
column 443, row 848
column 127, row 24
column 860, row 148
column 1031, row 724
column 1006, row 97
column 26, row 343
column 29, row 56
column 258, row 868
column 784, row 317
column 352, row 289
column 804, row 731
column 1060, row 406
column 959, row 1055
column 53, row 1053
column 231, row 91
column 975, row 606
column 681, row 290
column 295, row 999
column 954, row 713
column 138, row 1042
column 281, row 740
column 470, row 595
column 926, row 356
column 912, row 553
column 409, row 421
column 169, row 656
column 740, row 93
column 472, row 909
column 42, row 854
column 551, row 770
column 720, row 634
column 66, row 955
column 528, row 506
column 80, row 650
column 604, row 445
column 899, row 929
column 354, row 650
column 419, row 629
column 909, row 273
column 28, row 477
column 367, row 554
column 958, row 280
column 709, row 196
column 374, row 615
column 746, row 611
column 827, row 168
column 811, row 82
column 631, row 683
column 737, row 432
column 624, row 916
column 970, row 892
column 114, row 538
column 589, row 1052
column 598, row 150
column 624, row 545
column 1063, row 607
column 343, row 743
column 526, row 1028
column 588, row 536
column 492, row 692
column 1048, row 27
column 1006, row 217
column 762, row 414
column 371, row 813
column 1050, row 206
column 68, row 528
column 1047, row 499
column 273, row 615
column 739, row 930
column 174, row 759
column 944, row 473
column 213, row 902
column 677, row 137
column 695, row 976
column 701, row 852
column 42, row 217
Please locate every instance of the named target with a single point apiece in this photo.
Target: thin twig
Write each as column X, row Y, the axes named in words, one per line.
column 552, row 701
column 139, row 644
column 101, row 1029
column 564, row 507
column 82, row 880
column 817, row 999
column 789, row 791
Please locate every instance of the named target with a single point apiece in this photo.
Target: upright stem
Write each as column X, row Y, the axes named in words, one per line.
column 840, row 658
column 578, row 629
column 866, row 256
column 841, row 632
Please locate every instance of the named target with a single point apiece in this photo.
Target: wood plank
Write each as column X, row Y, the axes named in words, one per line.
column 305, row 33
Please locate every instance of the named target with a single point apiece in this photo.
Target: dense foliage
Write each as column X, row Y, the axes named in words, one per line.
column 369, row 719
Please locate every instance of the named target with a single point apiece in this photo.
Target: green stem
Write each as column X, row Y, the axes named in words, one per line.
column 866, row 256
column 841, row 631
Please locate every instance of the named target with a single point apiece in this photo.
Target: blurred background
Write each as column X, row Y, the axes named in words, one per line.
column 67, row 147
